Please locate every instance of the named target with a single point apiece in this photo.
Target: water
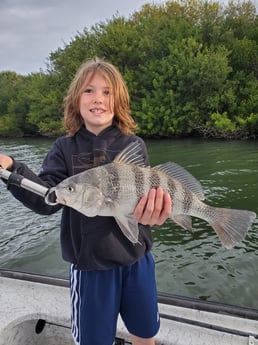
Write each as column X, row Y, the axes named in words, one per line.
column 190, row 264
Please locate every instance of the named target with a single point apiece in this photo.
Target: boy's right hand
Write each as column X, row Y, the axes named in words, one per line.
column 6, row 162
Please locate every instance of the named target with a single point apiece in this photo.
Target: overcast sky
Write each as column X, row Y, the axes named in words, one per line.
column 31, row 29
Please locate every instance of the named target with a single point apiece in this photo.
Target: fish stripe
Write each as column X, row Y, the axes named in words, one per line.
column 188, row 200
column 171, row 187
column 155, row 179
column 114, row 185
column 139, row 180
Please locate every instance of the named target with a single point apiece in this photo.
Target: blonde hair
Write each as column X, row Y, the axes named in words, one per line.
column 122, row 118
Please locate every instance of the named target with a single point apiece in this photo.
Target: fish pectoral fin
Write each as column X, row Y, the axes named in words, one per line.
column 129, row 227
column 183, row 220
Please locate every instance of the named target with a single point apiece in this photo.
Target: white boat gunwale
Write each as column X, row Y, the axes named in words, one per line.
column 175, row 311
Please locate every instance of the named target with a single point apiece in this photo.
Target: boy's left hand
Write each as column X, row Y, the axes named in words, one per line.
column 155, row 208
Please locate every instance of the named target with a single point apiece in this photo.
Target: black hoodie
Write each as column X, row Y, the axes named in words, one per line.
column 88, row 242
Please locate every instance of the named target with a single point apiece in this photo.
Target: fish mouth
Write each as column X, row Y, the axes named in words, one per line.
column 50, row 197
column 61, row 201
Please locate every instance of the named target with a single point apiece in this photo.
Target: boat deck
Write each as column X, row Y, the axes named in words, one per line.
column 35, row 310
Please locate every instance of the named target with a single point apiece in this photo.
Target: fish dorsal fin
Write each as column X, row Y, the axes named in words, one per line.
column 131, row 154
column 182, row 175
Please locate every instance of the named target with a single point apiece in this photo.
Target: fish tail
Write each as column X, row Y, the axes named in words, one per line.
column 231, row 225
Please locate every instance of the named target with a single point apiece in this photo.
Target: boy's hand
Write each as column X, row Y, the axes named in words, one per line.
column 6, row 162
column 155, row 208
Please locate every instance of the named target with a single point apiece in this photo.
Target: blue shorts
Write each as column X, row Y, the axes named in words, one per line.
column 97, row 297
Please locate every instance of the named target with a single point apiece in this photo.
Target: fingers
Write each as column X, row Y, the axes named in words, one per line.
column 167, row 208
column 154, row 208
column 144, row 212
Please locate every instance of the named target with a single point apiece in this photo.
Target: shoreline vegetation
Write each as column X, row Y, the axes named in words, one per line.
column 191, row 68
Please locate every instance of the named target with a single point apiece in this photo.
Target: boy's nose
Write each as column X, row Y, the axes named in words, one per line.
column 98, row 101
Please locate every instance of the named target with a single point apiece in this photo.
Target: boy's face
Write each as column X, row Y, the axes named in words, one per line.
column 97, row 104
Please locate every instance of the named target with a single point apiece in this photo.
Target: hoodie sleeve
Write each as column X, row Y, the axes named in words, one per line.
column 52, row 172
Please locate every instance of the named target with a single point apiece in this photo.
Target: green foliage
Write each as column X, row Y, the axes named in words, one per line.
column 191, row 68
column 46, row 104
column 8, row 82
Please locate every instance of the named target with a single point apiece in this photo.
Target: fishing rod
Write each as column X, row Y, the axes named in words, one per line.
column 21, row 181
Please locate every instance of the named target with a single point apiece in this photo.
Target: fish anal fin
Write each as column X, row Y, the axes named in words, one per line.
column 129, row 227
column 183, row 220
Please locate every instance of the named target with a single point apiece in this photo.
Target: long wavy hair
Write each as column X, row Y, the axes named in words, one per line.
column 122, row 114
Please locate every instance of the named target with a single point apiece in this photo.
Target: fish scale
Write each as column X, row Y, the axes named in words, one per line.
column 114, row 190
column 139, row 176
column 155, row 179
column 188, row 197
column 112, row 187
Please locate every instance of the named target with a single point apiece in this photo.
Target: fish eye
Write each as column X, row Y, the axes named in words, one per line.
column 70, row 188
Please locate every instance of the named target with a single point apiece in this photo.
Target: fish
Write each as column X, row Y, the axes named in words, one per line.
column 115, row 188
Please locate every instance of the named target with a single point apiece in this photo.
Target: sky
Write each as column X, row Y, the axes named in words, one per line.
column 31, row 29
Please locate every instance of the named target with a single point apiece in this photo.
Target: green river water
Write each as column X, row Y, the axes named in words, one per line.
column 189, row 264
